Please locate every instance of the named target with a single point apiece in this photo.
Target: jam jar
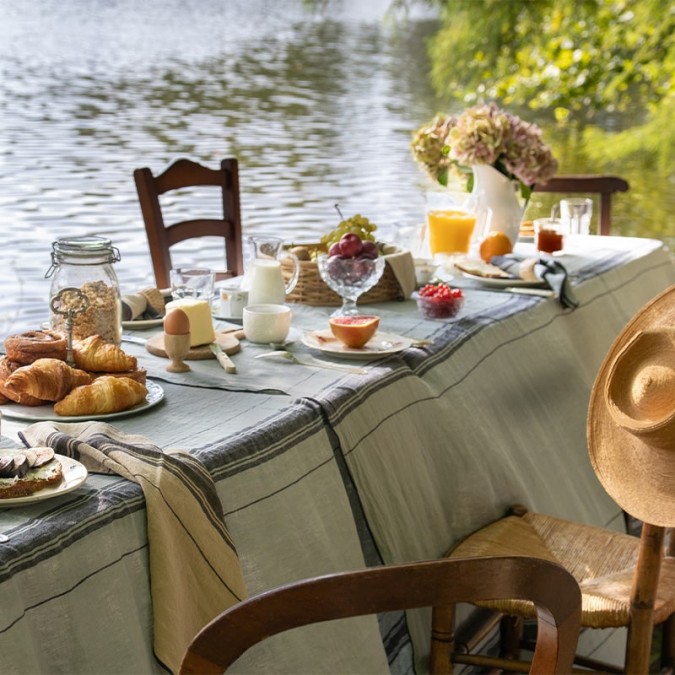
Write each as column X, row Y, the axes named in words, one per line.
column 85, row 289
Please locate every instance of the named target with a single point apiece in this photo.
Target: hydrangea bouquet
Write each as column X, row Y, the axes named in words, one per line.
column 484, row 134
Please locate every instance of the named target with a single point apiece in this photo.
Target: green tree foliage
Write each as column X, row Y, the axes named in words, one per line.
column 598, row 75
column 581, row 56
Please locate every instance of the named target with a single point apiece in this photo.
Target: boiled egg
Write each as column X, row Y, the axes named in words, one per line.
column 176, row 322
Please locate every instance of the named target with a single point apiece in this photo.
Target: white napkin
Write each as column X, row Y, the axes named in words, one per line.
column 402, row 265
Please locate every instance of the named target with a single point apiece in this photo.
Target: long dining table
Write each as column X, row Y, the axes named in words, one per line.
column 320, row 470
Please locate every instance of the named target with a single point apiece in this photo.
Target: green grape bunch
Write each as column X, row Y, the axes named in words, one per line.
column 358, row 224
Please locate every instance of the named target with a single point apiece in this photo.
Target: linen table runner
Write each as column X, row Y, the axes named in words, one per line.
column 194, row 569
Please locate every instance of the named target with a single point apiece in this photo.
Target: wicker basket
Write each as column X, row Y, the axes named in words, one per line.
column 312, row 290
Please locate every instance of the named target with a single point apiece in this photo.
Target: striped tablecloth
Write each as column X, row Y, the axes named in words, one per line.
column 320, row 471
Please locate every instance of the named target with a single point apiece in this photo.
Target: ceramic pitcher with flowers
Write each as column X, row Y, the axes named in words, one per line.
column 499, row 197
column 504, row 156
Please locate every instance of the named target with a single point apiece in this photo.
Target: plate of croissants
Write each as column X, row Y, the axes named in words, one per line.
column 36, row 382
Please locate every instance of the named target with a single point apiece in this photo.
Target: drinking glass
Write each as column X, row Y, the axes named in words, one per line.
column 455, row 224
column 549, row 234
column 576, row 213
column 192, row 282
column 350, row 278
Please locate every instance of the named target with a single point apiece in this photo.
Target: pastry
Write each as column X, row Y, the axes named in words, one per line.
column 24, row 472
column 7, row 367
column 156, row 303
column 46, row 379
column 139, row 375
column 482, row 269
column 95, row 355
column 103, row 396
column 526, row 270
column 35, row 344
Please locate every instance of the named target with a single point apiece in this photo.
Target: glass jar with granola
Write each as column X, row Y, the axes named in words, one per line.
column 87, row 288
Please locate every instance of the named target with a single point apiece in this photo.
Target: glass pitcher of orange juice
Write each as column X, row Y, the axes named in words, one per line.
column 451, row 222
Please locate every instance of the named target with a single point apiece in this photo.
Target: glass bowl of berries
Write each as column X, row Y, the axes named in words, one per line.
column 439, row 301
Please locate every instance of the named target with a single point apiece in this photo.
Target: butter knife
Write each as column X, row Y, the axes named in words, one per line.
column 223, row 359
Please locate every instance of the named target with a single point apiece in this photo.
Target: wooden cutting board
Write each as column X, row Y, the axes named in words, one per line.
column 229, row 341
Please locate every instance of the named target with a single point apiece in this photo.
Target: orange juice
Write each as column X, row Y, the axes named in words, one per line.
column 450, row 230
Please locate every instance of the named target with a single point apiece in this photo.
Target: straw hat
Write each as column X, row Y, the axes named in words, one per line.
column 631, row 416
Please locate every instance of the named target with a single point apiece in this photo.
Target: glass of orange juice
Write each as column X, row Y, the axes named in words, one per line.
column 451, row 221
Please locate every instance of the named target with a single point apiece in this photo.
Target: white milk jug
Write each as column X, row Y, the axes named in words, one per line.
column 265, row 280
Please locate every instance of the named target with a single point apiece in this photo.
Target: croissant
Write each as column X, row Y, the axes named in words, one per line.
column 46, row 379
column 7, row 367
column 93, row 354
column 106, row 394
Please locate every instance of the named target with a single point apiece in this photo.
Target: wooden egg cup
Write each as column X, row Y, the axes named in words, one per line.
column 177, row 348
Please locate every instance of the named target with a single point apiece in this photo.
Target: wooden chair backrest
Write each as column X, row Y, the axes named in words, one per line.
column 600, row 184
column 185, row 173
column 435, row 583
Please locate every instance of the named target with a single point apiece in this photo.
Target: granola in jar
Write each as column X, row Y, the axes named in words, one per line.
column 85, row 289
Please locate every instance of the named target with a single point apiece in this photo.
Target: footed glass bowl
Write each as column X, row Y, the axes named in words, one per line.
column 350, row 278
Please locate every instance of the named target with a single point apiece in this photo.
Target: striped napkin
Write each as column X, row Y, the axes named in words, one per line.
column 194, row 568
column 551, row 271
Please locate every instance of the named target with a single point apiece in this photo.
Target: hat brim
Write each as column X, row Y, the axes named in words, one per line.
column 638, row 476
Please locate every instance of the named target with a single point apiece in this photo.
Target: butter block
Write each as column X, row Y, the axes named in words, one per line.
column 199, row 314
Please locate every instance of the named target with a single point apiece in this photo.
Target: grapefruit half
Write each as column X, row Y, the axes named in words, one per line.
column 354, row 331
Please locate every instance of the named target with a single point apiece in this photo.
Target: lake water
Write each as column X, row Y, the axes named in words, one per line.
column 317, row 104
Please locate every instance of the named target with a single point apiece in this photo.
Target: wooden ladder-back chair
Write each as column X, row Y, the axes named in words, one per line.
column 185, row 173
column 599, row 184
column 625, row 581
column 435, row 583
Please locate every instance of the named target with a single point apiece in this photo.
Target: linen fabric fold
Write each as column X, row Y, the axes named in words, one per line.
column 548, row 270
column 195, row 572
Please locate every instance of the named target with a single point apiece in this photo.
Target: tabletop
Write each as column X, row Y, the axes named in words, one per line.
column 320, row 471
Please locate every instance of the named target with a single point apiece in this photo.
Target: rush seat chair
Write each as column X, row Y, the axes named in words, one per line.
column 435, row 583
column 185, row 173
column 625, row 581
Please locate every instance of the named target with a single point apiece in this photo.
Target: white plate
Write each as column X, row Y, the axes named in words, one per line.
column 381, row 344
column 501, row 283
column 46, row 412
column 74, row 474
column 142, row 324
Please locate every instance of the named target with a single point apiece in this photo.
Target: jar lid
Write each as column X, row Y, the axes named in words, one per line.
column 85, row 250
column 85, row 247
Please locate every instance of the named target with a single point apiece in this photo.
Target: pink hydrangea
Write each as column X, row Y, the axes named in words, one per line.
column 485, row 134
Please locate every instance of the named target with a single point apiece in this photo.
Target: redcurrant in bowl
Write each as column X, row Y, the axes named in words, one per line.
column 439, row 301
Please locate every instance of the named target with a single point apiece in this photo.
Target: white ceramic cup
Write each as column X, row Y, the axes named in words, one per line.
column 232, row 302
column 267, row 323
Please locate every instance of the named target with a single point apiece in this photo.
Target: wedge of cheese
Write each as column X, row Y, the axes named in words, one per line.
column 201, row 323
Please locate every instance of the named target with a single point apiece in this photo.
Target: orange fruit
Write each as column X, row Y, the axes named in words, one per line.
column 496, row 243
column 354, row 331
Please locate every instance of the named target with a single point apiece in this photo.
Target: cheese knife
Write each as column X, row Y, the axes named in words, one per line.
column 223, row 359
